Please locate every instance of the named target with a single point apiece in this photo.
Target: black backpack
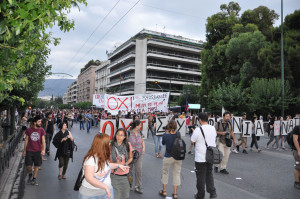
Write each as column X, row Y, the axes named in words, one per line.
column 178, row 148
column 289, row 137
column 80, row 116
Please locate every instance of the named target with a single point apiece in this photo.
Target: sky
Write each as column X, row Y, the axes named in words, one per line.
column 103, row 25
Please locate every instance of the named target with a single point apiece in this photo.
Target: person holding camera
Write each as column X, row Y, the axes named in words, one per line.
column 135, row 137
column 224, row 130
column 204, row 169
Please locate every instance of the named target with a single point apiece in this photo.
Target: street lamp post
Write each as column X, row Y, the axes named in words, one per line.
column 282, row 61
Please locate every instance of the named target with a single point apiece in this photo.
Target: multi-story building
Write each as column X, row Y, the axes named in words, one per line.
column 149, row 57
column 86, row 84
column 70, row 97
column 101, row 77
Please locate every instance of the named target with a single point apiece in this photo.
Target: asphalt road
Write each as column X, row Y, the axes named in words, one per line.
column 268, row 174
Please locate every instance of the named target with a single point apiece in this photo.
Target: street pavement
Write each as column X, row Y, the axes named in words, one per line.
column 268, row 174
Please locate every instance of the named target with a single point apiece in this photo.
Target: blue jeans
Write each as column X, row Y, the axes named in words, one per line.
column 81, row 125
column 88, row 126
column 81, row 196
column 158, row 143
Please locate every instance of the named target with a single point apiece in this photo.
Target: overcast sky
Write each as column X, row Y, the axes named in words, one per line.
column 178, row 17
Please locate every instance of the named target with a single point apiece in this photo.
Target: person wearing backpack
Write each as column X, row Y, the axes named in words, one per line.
column 169, row 139
column 63, row 142
column 203, row 168
column 296, row 154
column 81, row 120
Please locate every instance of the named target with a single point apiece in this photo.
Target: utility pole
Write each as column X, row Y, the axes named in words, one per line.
column 282, row 61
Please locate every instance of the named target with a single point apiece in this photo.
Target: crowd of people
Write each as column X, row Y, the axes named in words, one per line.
column 112, row 168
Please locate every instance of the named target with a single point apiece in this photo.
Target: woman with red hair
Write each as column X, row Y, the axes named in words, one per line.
column 97, row 169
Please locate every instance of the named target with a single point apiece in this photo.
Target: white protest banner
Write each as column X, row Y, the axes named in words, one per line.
column 276, row 128
column 161, row 122
column 211, row 121
column 296, row 121
column 125, row 124
column 108, row 127
column 259, row 128
column 139, row 103
column 247, row 128
column 285, row 127
column 237, row 124
column 181, row 126
column 98, row 100
column 291, row 125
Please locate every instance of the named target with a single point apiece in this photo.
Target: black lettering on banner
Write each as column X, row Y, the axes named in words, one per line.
column 211, row 121
column 161, row 121
column 259, row 127
column 180, row 125
column 297, row 121
column 238, row 124
column 291, row 125
column 247, row 125
column 285, row 127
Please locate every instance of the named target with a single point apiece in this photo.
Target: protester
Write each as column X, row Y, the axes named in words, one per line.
column 63, row 142
column 296, row 153
column 96, row 168
column 254, row 137
column 34, row 148
column 88, row 118
column 81, row 120
column 242, row 139
column 50, row 130
column 191, row 123
column 224, row 129
column 203, row 169
column 121, row 153
column 168, row 140
column 272, row 137
column 23, row 124
column 156, row 138
column 136, row 140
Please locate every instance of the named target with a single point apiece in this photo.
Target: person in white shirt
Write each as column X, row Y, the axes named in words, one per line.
column 204, row 169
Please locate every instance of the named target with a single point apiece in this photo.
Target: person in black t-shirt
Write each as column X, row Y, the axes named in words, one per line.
column 50, row 129
column 296, row 153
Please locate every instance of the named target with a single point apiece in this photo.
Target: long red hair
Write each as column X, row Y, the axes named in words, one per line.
column 100, row 148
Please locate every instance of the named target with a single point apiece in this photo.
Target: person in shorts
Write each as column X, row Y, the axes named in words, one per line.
column 34, row 148
column 296, row 154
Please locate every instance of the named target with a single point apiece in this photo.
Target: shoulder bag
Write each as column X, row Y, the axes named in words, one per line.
column 213, row 154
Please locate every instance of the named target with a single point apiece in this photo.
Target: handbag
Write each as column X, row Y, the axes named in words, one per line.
column 213, row 154
column 135, row 154
column 228, row 142
column 79, row 180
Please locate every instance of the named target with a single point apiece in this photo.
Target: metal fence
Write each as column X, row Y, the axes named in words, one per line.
column 8, row 150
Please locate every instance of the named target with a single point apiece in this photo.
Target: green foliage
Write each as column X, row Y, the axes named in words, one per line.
column 231, row 96
column 24, row 42
column 189, row 93
column 265, row 95
column 90, row 63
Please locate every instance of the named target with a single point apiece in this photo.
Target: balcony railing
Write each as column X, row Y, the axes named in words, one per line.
column 115, row 81
column 174, row 67
column 124, row 67
column 173, row 78
column 176, row 44
column 173, row 55
column 116, row 61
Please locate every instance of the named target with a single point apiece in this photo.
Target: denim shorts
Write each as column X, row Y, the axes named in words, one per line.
column 81, row 196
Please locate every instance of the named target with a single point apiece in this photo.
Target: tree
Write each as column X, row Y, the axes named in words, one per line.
column 265, row 95
column 189, row 93
column 231, row 8
column 231, row 96
column 90, row 63
column 23, row 42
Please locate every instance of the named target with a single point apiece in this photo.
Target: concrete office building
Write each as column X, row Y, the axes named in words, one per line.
column 70, row 97
column 86, row 84
column 101, row 77
column 150, row 56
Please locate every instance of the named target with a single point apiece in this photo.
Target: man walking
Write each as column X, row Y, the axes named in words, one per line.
column 243, row 139
column 224, row 128
column 204, row 169
column 88, row 118
column 296, row 153
column 50, row 129
column 34, row 148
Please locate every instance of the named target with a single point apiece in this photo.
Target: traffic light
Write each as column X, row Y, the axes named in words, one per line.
column 156, row 82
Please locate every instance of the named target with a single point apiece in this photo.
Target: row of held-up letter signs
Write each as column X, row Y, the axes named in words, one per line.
column 239, row 126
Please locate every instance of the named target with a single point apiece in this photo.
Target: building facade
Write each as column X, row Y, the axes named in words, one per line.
column 102, row 72
column 70, row 97
column 149, row 57
column 86, row 84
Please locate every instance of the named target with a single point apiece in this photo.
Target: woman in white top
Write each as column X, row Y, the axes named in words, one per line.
column 97, row 169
